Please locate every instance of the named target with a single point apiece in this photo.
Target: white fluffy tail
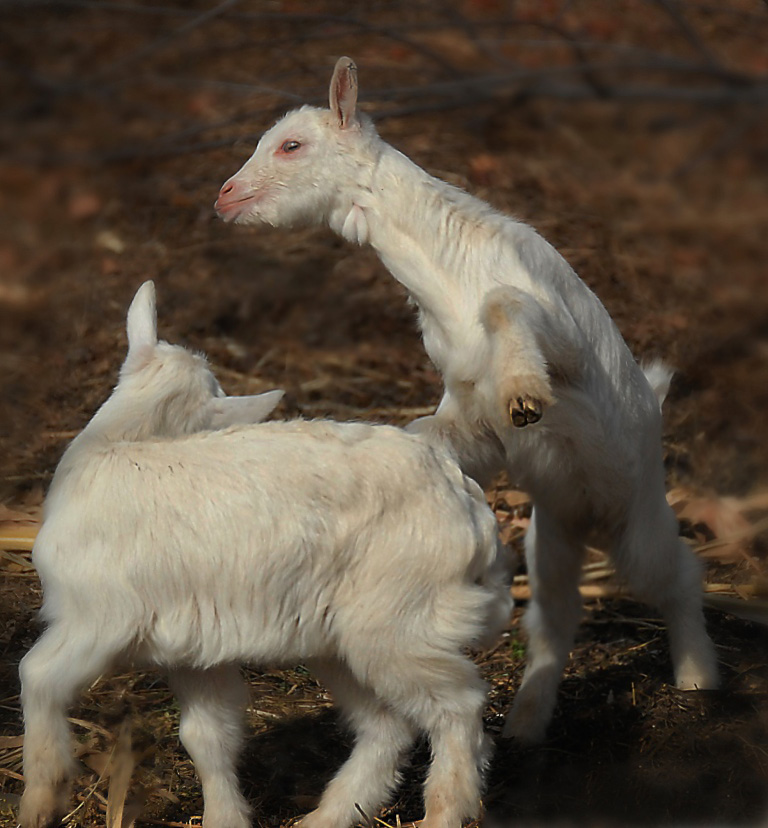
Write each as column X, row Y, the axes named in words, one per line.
column 659, row 377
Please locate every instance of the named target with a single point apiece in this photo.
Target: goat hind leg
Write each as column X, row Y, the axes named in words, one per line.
column 444, row 696
column 212, row 705
column 554, row 564
column 693, row 654
column 661, row 570
column 459, row 750
column 60, row 664
column 370, row 774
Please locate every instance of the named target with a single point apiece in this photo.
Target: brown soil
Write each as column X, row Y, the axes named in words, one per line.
column 120, row 124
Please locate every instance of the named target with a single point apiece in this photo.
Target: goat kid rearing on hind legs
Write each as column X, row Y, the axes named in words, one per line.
column 538, row 379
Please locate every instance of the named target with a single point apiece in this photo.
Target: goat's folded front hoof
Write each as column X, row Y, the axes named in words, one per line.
column 525, row 411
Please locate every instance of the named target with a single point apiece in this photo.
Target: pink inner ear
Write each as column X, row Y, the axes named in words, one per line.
column 341, row 87
column 343, row 92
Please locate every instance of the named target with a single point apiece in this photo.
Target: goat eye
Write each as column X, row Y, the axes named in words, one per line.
column 290, row 146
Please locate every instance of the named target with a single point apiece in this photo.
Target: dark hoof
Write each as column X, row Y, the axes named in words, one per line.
column 524, row 411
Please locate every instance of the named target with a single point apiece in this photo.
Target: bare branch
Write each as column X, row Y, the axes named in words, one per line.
column 162, row 42
column 672, row 10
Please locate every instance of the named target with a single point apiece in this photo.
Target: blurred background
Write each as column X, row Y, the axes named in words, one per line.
column 633, row 134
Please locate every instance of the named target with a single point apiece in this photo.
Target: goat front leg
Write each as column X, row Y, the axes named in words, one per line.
column 212, row 706
column 515, row 381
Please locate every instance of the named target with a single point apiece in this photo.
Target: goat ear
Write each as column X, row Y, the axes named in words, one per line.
column 227, row 411
column 343, row 92
column 141, row 324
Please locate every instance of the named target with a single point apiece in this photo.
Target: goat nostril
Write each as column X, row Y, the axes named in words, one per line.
column 227, row 188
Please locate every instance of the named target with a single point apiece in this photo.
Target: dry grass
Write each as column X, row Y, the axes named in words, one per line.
column 133, row 768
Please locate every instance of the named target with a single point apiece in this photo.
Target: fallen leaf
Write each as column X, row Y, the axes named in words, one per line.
column 7, row 742
column 483, row 169
column 109, row 240
column 84, row 205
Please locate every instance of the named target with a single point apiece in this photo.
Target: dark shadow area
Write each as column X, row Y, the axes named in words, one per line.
column 626, row 748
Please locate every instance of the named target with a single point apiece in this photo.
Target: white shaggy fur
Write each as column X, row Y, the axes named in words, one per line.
column 520, row 341
column 359, row 550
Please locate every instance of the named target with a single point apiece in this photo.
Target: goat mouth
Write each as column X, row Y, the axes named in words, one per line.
column 232, row 210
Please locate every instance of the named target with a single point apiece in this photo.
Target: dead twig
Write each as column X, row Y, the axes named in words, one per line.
column 16, row 537
column 157, row 45
column 755, row 610
column 589, row 592
column 672, row 10
column 121, row 765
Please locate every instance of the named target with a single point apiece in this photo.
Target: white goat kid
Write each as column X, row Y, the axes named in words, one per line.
column 359, row 550
column 538, row 379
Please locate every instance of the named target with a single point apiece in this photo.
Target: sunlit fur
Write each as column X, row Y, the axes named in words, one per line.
column 504, row 316
column 361, row 551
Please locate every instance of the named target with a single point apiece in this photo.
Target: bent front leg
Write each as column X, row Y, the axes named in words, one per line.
column 515, row 382
column 535, row 345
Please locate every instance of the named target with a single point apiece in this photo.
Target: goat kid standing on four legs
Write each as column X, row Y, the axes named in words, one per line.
column 171, row 541
column 538, row 379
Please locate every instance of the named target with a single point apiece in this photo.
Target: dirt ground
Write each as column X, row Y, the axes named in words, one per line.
column 631, row 133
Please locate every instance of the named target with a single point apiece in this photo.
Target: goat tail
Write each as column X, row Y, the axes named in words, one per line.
column 659, row 376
